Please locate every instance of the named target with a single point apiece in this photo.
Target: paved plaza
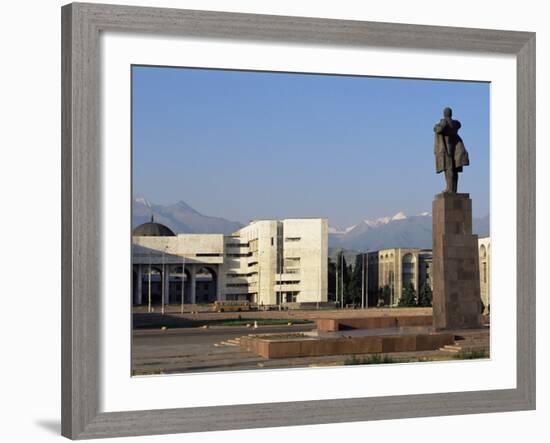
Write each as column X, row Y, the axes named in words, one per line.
column 206, row 346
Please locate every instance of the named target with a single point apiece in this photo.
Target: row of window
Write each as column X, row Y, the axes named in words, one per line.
column 292, row 271
column 237, row 285
column 240, row 274
column 292, row 262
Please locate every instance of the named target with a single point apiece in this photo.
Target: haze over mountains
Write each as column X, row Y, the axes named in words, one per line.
column 399, row 230
column 181, row 218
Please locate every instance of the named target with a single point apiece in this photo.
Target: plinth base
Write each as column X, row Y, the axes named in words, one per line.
column 455, row 270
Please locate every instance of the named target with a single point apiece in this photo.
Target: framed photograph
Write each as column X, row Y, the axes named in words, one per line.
column 274, row 221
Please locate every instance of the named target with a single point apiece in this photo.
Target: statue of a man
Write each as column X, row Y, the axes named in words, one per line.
column 450, row 152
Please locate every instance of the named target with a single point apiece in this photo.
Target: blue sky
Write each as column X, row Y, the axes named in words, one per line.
column 244, row 145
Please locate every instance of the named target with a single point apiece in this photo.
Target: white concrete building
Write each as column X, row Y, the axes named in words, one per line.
column 484, row 246
column 267, row 262
column 396, row 268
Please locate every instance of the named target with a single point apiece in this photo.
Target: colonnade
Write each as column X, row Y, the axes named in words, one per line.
column 143, row 282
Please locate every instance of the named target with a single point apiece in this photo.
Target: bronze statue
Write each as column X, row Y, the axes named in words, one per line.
column 449, row 149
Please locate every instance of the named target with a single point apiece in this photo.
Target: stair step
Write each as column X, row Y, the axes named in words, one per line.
column 452, row 351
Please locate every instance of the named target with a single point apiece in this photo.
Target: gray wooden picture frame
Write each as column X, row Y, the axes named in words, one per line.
column 81, row 205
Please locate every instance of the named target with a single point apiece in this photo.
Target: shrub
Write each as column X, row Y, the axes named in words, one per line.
column 374, row 359
column 426, row 296
column 471, row 355
column 408, row 297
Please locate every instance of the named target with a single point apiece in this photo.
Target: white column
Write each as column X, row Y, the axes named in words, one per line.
column 489, row 259
column 192, row 285
column 139, row 286
column 218, row 285
column 149, row 271
column 417, row 275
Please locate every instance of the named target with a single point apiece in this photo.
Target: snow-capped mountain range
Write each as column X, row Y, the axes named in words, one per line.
column 399, row 230
column 374, row 223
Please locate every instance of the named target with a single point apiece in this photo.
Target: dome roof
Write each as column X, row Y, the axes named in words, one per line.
column 152, row 229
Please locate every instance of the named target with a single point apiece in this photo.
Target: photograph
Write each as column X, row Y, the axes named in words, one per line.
column 307, row 220
column 274, row 221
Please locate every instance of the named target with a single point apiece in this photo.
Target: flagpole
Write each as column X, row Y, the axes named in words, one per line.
column 149, row 286
column 367, row 281
column 182, row 283
column 363, row 281
column 342, row 278
column 336, row 285
column 259, row 278
column 281, row 280
column 163, row 284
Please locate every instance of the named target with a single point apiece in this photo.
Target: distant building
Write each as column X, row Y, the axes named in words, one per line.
column 266, row 262
column 396, row 268
column 484, row 246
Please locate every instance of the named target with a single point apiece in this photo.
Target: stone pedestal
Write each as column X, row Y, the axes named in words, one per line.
column 455, row 271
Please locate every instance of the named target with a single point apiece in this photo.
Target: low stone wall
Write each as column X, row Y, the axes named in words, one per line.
column 388, row 321
column 393, row 321
column 313, row 347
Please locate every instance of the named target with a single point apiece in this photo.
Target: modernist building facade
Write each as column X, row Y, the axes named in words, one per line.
column 395, row 268
column 267, row 262
column 484, row 246
column 398, row 267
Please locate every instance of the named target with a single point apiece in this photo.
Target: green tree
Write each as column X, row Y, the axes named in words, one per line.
column 384, row 294
column 331, row 275
column 425, row 297
column 408, row 296
column 356, row 281
column 343, row 274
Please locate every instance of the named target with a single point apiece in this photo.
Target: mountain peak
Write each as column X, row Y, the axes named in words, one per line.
column 182, row 206
column 181, row 218
column 399, row 216
column 142, row 200
column 384, row 220
column 399, row 230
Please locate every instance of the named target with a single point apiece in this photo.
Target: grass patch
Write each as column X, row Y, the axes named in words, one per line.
column 471, row 355
column 157, row 321
column 293, row 336
column 261, row 322
column 374, row 359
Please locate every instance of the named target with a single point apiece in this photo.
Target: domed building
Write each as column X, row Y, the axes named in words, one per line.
column 152, row 229
column 166, row 269
column 194, row 268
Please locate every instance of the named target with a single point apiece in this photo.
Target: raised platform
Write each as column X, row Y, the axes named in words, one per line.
column 379, row 340
column 455, row 269
column 390, row 321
